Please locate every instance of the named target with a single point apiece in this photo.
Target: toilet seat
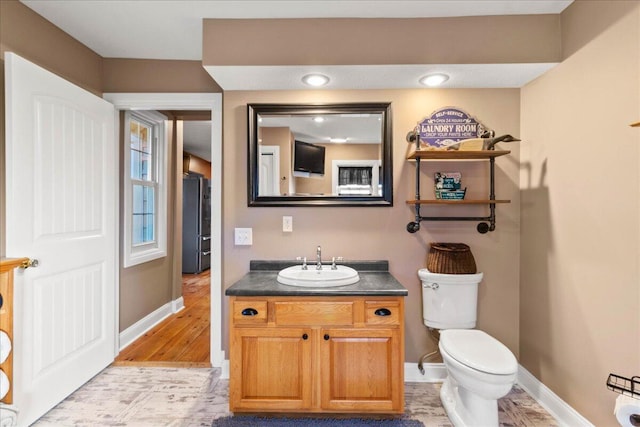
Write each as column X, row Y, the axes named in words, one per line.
column 478, row 350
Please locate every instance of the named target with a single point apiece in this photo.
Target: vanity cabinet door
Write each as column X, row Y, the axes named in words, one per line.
column 361, row 369
column 270, row 369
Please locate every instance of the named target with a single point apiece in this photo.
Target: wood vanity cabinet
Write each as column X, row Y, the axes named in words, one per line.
column 317, row 354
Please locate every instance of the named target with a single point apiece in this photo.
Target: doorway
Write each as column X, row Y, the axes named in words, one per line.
column 182, row 339
column 211, row 103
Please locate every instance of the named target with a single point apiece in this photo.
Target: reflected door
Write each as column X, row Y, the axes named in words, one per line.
column 269, row 184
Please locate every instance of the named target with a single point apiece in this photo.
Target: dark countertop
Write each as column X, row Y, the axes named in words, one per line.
column 375, row 280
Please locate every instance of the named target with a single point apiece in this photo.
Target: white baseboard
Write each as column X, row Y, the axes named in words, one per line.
column 177, row 305
column 224, row 375
column 433, row 373
column 135, row 331
column 564, row 414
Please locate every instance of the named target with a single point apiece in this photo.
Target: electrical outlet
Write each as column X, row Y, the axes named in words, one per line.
column 243, row 236
column 287, row 224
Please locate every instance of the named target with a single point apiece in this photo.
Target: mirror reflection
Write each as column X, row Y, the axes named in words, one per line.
column 321, row 154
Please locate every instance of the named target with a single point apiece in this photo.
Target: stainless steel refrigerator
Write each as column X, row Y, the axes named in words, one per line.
column 196, row 223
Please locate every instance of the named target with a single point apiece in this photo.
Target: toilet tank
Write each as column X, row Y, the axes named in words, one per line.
column 449, row 301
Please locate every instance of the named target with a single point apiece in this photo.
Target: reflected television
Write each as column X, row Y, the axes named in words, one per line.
column 308, row 159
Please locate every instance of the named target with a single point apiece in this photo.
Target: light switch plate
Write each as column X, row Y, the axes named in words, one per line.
column 243, row 236
column 287, row 224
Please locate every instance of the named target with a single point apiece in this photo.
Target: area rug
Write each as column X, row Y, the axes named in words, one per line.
column 253, row 421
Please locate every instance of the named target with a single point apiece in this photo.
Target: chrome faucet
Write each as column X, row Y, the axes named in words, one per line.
column 319, row 258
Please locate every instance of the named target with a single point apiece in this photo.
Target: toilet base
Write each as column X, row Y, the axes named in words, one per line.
column 466, row 409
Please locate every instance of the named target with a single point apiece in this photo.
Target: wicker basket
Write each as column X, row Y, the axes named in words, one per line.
column 451, row 258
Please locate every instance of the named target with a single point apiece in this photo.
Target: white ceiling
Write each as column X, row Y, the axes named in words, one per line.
column 172, row 29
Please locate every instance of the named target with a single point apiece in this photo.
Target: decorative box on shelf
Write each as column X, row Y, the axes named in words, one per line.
column 450, row 194
column 448, row 186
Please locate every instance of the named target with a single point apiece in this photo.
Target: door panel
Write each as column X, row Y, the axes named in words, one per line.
column 62, row 202
column 270, row 368
column 360, row 369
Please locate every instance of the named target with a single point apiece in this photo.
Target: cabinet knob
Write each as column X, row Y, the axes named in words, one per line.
column 305, row 337
column 326, row 337
column 249, row 312
column 382, row 312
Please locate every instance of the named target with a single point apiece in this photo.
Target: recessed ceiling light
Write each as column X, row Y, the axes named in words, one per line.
column 434, row 79
column 318, row 119
column 315, row 80
column 338, row 140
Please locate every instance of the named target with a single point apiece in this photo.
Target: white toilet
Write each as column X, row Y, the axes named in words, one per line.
column 480, row 369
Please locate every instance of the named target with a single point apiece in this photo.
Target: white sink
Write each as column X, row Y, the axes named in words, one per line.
column 312, row 278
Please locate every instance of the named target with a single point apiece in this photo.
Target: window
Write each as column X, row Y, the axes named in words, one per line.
column 145, row 171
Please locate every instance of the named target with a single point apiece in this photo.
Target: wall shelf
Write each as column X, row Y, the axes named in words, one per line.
column 455, row 202
column 487, row 223
column 456, row 154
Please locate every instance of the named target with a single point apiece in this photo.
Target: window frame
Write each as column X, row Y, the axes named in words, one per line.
column 145, row 252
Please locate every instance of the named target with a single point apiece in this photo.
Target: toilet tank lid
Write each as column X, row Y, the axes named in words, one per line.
column 427, row 276
column 478, row 350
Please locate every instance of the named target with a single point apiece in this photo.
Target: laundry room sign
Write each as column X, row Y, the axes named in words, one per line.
column 448, row 126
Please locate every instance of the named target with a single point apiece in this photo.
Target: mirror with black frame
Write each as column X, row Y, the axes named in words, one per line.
column 320, row 154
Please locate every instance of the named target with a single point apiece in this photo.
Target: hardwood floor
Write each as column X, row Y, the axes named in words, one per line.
column 181, row 340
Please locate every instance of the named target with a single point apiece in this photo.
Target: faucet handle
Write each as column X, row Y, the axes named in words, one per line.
column 304, row 261
column 333, row 262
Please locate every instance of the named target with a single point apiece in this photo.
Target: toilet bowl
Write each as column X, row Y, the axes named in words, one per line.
column 480, row 370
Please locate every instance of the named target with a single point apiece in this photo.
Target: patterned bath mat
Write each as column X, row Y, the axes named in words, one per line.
column 252, row 421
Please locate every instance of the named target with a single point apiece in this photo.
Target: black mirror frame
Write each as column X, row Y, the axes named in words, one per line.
column 254, row 110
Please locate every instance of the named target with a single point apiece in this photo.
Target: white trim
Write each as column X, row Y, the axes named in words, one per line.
column 195, row 101
column 564, row 414
column 433, row 373
column 142, row 326
column 224, row 372
column 177, row 305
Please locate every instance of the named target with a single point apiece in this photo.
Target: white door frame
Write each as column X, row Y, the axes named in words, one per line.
column 194, row 101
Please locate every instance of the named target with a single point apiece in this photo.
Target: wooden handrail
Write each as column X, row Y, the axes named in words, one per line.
column 7, row 265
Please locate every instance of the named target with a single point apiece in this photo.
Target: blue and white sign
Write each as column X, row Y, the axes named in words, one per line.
column 448, row 126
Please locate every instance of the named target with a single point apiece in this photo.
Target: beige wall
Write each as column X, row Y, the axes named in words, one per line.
column 148, row 75
column 467, row 40
column 26, row 33
column 359, row 233
column 579, row 281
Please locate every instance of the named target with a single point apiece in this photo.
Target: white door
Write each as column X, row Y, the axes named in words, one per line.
column 62, row 201
column 269, row 174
